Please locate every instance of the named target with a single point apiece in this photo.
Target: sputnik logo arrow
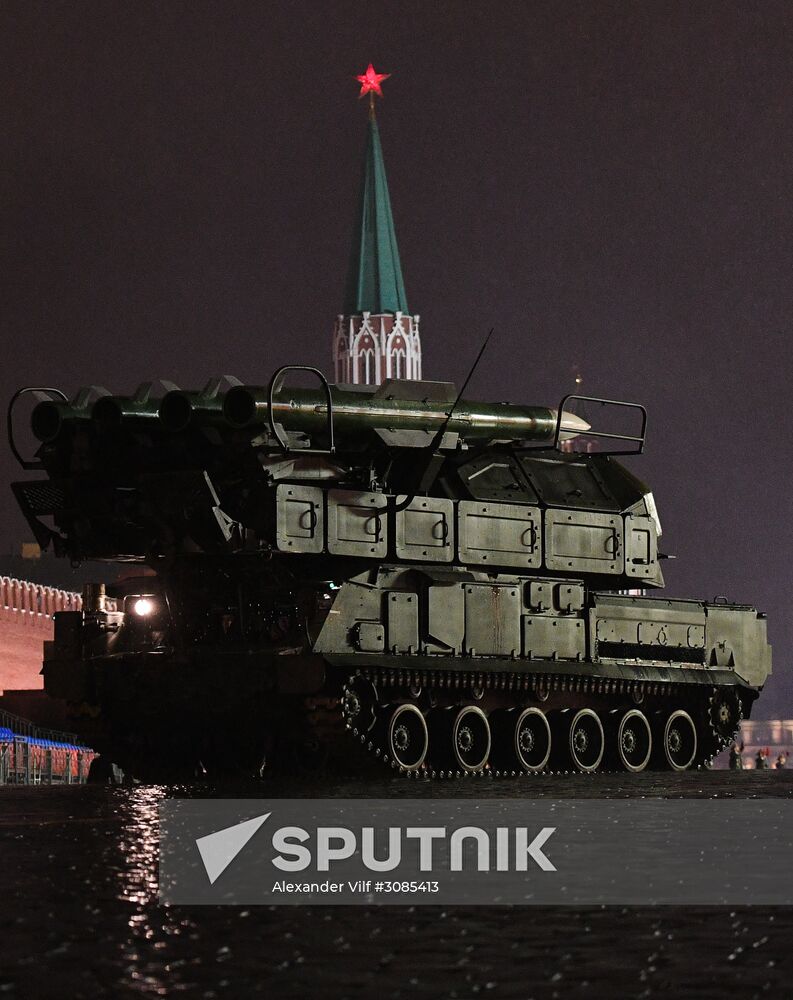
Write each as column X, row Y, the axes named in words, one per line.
column 219, row 849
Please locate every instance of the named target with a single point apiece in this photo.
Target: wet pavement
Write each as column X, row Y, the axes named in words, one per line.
column 79, row 915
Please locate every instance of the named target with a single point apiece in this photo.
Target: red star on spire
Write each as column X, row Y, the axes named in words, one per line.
column 370, row 81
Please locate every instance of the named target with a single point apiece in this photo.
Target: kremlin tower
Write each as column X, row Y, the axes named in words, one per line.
column 376, row 337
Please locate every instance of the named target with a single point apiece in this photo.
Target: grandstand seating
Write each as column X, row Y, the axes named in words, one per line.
column 33, row 756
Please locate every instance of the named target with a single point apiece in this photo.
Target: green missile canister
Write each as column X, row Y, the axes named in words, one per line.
column 110, row 412
column 51, row 415
column 180, row 410
column 394, row 407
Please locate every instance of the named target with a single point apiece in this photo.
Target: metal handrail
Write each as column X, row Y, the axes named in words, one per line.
column 276, row 383
column 639, row 440
column 26, row 464
column 24, row 727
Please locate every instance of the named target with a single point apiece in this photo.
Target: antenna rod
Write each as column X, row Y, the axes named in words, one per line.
column 461, row 393
column 435, row 443
column 432, row 465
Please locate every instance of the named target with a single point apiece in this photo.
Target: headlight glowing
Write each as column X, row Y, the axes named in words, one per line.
column 143, row 607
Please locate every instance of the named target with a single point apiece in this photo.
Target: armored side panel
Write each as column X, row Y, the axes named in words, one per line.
column 357, row 524
column 641, row 547
column 499, row 534
column 583, row 542
column 300, row 518
column 425, row 529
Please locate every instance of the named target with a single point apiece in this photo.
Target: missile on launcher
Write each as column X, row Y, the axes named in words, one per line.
column 403, row 413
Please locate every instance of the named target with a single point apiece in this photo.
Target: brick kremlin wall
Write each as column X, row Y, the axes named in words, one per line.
column 26, row 611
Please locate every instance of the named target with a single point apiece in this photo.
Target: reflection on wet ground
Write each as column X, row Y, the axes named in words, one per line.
column 79, row 915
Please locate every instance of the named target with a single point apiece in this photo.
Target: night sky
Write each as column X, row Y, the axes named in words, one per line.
column 609, row 185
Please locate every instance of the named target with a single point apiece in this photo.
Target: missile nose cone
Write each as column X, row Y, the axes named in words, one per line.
column 572, row 422
column 571, row 425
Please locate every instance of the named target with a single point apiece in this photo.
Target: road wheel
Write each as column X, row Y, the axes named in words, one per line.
column 470, row 739
column 586, row 741
column 407, row 738
column 634, row 741
column 680, row 741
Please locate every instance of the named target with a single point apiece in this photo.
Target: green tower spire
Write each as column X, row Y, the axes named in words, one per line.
column 374, row 281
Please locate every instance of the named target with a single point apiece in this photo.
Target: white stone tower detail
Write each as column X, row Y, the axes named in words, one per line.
column 368, row 349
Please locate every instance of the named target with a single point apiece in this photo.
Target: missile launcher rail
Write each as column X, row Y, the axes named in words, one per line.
column 381, row 574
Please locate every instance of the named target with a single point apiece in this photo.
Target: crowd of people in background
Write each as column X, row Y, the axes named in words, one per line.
column 762, row 759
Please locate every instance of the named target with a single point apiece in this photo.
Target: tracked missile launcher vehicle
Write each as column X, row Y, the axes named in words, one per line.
column 391, row 576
